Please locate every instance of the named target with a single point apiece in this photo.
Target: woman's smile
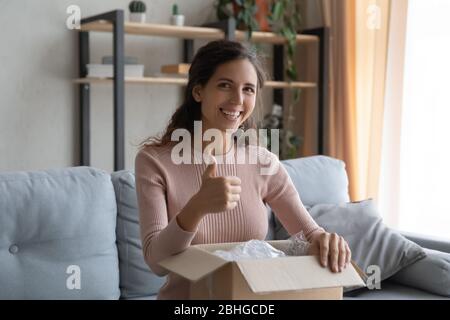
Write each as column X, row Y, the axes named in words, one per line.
column 231, row 115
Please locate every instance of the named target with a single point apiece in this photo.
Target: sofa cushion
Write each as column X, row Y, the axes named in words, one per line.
column 136, row 278
column 372, row 243
column 431, row 274
column 57, row 235
column 319, row 179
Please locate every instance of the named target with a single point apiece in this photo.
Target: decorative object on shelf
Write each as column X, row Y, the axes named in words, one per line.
column 137, row 11
column 177, row 19
column 273, row 120
column 180, row 68
column 289, row 142
column 244, row 11
column 293, row 143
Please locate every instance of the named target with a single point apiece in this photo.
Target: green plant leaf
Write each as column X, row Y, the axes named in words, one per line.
column 291, row 51
column 297, row 92
column 277, row 11
column 175, row 9
column 248, row 4
column 254, row 9
column 292, row 73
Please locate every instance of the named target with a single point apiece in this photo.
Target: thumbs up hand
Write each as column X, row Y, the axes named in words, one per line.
column 217, row 193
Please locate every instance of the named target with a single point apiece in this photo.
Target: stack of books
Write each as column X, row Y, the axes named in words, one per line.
column 105, row 69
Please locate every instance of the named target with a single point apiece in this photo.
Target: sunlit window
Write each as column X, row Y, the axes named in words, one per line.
column 424, row 197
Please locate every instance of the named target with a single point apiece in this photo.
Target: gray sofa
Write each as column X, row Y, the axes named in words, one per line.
column 73, row 233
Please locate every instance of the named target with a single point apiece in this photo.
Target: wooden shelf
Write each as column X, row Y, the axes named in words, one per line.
column 181, row 81
column 187, row 32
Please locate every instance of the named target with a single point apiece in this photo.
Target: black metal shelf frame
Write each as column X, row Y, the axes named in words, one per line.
column 116, row 17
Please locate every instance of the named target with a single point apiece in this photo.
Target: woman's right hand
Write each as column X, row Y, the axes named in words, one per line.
column 217, row 194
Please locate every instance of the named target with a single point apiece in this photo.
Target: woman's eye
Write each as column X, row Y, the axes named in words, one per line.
column 250, row 90
column 224, row 85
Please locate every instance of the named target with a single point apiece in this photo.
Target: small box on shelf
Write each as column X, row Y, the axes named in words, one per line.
column 180, row 68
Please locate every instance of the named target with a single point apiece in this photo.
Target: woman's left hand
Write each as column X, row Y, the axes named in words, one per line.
column 332, row 249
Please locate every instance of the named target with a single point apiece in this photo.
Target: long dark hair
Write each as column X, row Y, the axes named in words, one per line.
column 203, row 66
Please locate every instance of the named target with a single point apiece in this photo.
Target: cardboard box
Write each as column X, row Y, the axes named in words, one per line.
column 181, row 68
column 286, row 278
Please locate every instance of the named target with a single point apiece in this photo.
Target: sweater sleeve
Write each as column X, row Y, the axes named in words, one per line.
column 160, row 237
column 284, row 200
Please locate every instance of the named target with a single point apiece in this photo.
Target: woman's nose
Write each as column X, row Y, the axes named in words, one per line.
column 238, row 97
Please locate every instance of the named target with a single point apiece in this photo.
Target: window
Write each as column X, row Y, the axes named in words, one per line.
column 424, row 199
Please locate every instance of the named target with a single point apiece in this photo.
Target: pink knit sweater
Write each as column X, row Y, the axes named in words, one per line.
column 164, row 188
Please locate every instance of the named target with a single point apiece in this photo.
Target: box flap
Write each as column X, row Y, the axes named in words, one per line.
column 193, row 263
column 294, row 273
column 360, row 272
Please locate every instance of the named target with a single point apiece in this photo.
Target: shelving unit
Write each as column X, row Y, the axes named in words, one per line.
column 187, row 32
column 114, row 23
column 181, row 81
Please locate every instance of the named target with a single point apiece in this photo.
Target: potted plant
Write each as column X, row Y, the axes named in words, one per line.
column 244, row 11
column 177, row 19
column 137, row 11
column 281, row 16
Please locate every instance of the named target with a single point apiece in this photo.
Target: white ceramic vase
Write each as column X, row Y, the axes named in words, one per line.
column 178, row 20
column 137, row 17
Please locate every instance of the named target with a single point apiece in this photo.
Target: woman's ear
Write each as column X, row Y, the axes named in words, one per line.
column 197, row 93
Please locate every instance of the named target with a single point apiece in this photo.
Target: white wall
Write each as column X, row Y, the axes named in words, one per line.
column 39, row 118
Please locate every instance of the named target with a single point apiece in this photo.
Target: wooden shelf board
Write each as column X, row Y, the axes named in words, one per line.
column 187, row 32
column 181, row 81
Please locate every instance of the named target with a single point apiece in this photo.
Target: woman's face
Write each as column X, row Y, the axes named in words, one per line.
column 229, row 97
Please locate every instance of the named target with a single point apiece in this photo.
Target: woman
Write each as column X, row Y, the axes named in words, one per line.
column 190, row 203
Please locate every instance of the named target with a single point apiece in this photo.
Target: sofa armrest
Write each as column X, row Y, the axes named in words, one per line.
column 429, row 242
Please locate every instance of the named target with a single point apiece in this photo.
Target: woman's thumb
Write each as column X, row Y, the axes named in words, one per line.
column 211, row 168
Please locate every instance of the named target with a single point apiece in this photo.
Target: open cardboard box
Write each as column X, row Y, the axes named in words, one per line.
column 292, row 277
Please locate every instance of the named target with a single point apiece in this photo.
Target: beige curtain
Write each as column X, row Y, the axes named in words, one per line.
column 358, row 51
column 340, row 137
column 389, row 186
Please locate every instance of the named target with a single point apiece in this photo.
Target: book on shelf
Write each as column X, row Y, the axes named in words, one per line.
column 106, row 70
column 180, row 68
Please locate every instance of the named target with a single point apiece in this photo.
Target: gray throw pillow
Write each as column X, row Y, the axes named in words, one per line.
column 372, row 243
column 431, row 274
column 136, row 278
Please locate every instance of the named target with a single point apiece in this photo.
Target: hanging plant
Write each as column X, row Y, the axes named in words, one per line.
column 285, row 19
